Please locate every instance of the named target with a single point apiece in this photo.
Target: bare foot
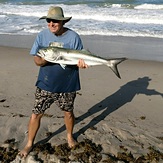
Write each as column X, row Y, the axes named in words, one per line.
column 71, row 142
column 24, row 153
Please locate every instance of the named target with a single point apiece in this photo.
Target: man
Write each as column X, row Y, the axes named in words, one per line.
column 54, row 83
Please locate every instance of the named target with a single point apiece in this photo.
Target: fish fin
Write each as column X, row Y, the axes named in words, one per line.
column 113, row 65
column 86, row 51
column 63, row 66
column 59, row 57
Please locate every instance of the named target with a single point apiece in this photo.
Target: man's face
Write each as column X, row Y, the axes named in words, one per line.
column 55, row 26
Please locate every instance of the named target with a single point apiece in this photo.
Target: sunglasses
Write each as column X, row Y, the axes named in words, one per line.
column 52, row 20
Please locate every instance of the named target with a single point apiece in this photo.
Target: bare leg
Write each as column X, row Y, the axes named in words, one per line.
column 34, row 124
column 69, row 122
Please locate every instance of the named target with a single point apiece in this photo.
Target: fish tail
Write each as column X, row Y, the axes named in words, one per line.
column 113, row 65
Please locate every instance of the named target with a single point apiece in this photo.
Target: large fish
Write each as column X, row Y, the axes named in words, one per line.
column 65, row 56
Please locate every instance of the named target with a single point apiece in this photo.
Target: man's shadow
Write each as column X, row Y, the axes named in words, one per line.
column 110, row 104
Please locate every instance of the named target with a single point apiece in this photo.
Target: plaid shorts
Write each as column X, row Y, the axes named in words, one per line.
column 44, row 99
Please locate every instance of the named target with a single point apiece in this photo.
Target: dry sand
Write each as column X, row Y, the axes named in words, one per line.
column 119, row 114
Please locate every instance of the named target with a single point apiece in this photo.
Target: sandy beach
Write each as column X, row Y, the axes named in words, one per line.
column 121, row 116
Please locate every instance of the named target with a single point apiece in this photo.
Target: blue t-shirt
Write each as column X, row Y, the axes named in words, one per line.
column 52, row 77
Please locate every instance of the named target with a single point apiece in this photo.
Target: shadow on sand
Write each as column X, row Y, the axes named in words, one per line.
column 110, row 104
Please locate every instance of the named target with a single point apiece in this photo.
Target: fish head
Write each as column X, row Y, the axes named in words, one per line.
column 47, row 52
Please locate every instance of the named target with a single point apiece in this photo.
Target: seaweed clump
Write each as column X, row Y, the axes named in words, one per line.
column 85, row 152
column 127, row 157
column 8, row 153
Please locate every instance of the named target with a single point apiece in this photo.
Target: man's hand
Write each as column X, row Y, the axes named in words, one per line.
column 82, row 64
column 40, row 61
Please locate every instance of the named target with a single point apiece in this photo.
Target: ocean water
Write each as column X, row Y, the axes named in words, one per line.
column 89, row 17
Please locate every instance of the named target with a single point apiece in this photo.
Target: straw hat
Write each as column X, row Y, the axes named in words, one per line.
column 56, row 13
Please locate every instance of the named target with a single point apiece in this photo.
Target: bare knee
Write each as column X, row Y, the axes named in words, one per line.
column 36, row 116
column 69, row 115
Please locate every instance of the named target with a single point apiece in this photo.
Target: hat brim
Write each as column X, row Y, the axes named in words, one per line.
column 65, row 19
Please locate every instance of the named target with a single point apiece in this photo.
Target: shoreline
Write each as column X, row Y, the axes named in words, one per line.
column 138, row 48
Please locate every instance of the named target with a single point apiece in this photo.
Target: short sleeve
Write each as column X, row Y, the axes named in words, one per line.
column 35, row 46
